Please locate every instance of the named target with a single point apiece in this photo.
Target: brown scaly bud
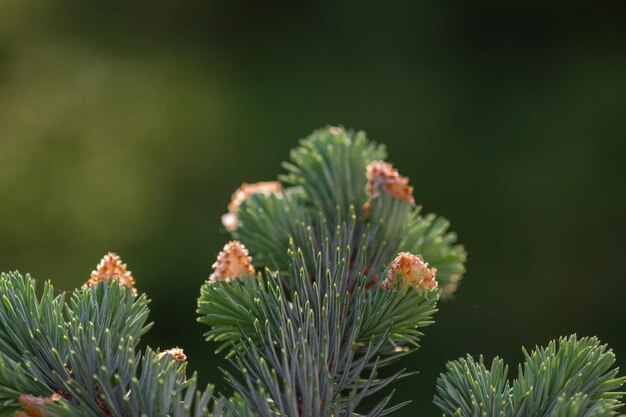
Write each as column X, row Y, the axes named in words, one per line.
column 409, row 270
column 34, row 406
column 111, row 266
column 230, row 220
column 176, row 353
column 232, row 262
column 382, row 175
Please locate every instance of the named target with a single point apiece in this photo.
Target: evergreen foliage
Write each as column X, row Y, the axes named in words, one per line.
column 332, row 275
column 570, row 377
column 79, row 357
column 311, row 333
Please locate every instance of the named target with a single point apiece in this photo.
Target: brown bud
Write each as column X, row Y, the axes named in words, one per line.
column 230, row 220
column 111, row 266
column 382, row 175
column 410, row 271
column 175, row 353
column 232, row 262
column 34, row 406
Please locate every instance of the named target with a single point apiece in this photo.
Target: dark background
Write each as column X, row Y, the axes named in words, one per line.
column 126, row 127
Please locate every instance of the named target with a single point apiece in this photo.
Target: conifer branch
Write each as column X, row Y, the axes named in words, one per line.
column 332, row 275
column 80, row 358
column 312, row 332
column 570, row 377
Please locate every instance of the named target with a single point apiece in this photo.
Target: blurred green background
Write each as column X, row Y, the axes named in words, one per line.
column 126, row 126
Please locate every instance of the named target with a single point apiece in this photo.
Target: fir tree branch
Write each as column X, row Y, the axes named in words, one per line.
column 63, row 359
column 569, row 377
column 311, row 332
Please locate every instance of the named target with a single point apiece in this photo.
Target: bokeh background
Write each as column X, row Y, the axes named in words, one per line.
column 125, row 126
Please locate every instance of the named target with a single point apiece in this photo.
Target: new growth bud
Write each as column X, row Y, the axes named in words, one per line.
column 382, row 175
column 409, row 270
column 34, row 406
column 111, row 266
column 230, row 219
column 232, row 262
column 176, row 353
